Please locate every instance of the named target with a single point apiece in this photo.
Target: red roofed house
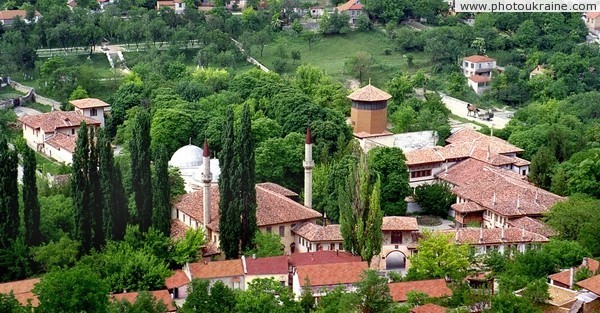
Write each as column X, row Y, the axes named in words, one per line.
column 160, row 296
column 177, row 5
column 313, row 237
column 353, row 8
column 592, row 21
column 22, row 290
column 478, row 69
column 321, row 257
column 54, row 133
column 275, row 267
column 566, row 278
column 7, row 17
column 434, row 288
column 230, row 272
column 91, row 107
column 589, row 299
column 484, row 240
column 177, row 284
column 400, row 236
column 429, row 308
column 325, row 277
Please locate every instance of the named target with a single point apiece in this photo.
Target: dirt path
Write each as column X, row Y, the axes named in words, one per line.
column 459, row 108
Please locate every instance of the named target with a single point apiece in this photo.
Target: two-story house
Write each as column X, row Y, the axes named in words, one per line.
column 353, row 8
column 177, row 5
column 91, row 107
column 313, row 237
column 592, row 21
column 325, row 277
column 503, row 240
column 478, row 69
column 7, row 17
column 400, row 236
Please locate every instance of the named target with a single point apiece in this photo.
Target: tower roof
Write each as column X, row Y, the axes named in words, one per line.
column 369, row 93
column 308, row 136
column 205, row 152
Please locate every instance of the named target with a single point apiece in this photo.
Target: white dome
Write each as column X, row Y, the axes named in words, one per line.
column 187, row 156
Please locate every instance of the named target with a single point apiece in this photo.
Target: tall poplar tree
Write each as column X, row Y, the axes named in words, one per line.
column 9, row 195
column 229, row 214
column 161, row 216
column 31, row 206
column 80, row 189
column 141, row 177
column 245, row 179
column 95, row 193
column 120, row 213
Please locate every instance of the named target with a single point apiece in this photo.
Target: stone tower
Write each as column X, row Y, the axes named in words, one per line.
column 309, row 164
column 369, row 110
column 206, row 180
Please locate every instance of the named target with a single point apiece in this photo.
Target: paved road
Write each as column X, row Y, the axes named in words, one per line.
column 459, row 107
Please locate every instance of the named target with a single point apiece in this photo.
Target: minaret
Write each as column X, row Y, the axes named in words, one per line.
column 309, row 164
column 206, row 180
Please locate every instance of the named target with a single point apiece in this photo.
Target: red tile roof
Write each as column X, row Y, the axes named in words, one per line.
column 428, row 308
column 369, row 93
column 350, row 5
column 502, row 191
column 564, row 277
column 592, row 284
column 497, row 145
column 89, row 103
column 49, row 122
column 62, row 141
column 22, row 290
column 178, row 279
column 178, row 229
column 216, row 269
column 593, row 15
column 478, row 59
column 533, row 225
column 435, row 288
column 159, row 295
column 480, row 78
column 11, row 14
column 331, row 274
column 276, row 265
column 405, row 223
column 272, row 207
column 278, row 189
column 315, row 233
column 322, row 257
column 467, row 207
column 490, row 236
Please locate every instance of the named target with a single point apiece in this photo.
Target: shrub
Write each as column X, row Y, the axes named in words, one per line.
column 435, row 199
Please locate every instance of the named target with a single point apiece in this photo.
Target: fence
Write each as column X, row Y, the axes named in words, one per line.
column 31, row 96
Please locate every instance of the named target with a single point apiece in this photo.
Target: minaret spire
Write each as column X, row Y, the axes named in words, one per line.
column 206, row 180
column 309, row 164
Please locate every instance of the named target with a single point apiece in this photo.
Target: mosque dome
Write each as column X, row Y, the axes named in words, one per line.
column 187, row 156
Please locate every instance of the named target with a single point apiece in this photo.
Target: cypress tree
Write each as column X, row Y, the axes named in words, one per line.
column 161, row 216
column 80, row 189
column 120, row 212
column 9, row 195
column 95, row 193
column 245, row 179
column 141, row 177
column 31, row 206
column 229, row 214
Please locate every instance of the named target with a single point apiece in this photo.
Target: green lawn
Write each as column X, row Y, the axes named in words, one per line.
column 332, row 52
column 8, row 93
column 38, row 106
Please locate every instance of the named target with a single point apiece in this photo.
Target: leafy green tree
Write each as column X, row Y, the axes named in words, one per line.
column 95, row 193
column 386, row 11
column 310, row 37
column 80, row 191
column 31, row 206
column 277, row 161
column 87, row 291
column 334, row 23
column 8, row 303
column 198, row 294
column 78, row 93
column 57, row 255
column 145, row 302
column 435, row 199
column 56, row 217
column 266, row 295
column 537, row 291
column 389, row 164
column 244, row 148
column 141, row 180
column 339, row 301
column 360, row 64
column 374, row 292
column 565, row 253
column 414, row 298
column 307, row 300
column 363, row 23
column 9, row 195
column 161, row 215
column 439, row 257
column 541, row 167
column 171, row 128
column 189, row 248
column 265, row 245
column 508, row 303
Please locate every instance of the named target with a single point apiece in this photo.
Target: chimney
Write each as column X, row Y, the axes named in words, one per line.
column 309, row 164
column 244, row 264
column 571, row 277
column 206, row 180
column 585, row 262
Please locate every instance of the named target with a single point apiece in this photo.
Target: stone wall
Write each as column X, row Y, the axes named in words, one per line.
column 31, row 96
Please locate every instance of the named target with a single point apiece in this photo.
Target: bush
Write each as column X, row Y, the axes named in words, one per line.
column 280, row 65
column 435, row 199
column 387, row 51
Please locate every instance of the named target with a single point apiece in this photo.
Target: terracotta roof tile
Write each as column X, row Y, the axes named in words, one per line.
column 62, row 141
column 592, row 284
column 331, row 274
column 485, row 236
column 350, row 5
column 49, row 122
column 362, row 135
column 593, row 15
column 322, row 257
column 480, row 78
column 435, row 288
column 278, row 189
column 478, row 59
column 428, row 308
column 89, row 103
column 369, row 93
column 533, row 225
column 399, row 223
column 22, row 289
column 467, row 207
column 178, row 229
column 314, row 232
column 216, row 269
column 423, row 156
column 267, row 266
column 497, row 145
column 561, row 296
column 11, row 14
column 178, row 279
column 564, row 276
column 159, row 295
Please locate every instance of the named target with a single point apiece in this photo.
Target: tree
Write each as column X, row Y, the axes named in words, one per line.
column 80, row 189
column 244, row 146
column 266, row 295
column 310, row 37
column 189, row 248
column 141, row 180
column 262, row 38
column 57, row 255
column 8, row 303
column 87, row 291
column 95, row 193
column 31, row 206
column 360, row 64
column 507, row 302
column 266, row 244
column 229, row 213
column 339, row 301
column 161, row 215
column 439, row 257
column 296, row 56
column 541, row 167
column 78, row 93
column 435, row 199
column 363, row 23
column 307, row 300
column 537, row 291
column 389, row 164
column 374, row 292
column 9, row 195
column 196, row 300
column 145, row 302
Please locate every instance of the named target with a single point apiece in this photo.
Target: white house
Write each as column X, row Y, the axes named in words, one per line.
column 7, row 17
column 91, row 107
column 177, row 5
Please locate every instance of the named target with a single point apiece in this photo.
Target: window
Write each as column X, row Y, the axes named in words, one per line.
column 73, row 131
column 417, row 174
column 93, row 112
column 341, row 246
column 281, row 231
column 269, row 229
column 396, row 237
column 332, row 246
column 524, row 172
column 472, row 65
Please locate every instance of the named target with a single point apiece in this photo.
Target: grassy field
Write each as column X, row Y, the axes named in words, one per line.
column 332, row 52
